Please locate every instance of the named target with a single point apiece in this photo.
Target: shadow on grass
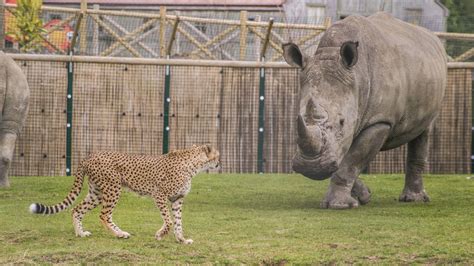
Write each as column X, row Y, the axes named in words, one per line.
column 270, row 201
column 279, row 192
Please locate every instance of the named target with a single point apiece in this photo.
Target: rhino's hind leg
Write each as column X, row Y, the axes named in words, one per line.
column 7, row 145
column 415, row 165
column 362, row 151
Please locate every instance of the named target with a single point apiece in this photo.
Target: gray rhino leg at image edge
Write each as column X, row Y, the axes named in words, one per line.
column 14, row 103
column 7, row 144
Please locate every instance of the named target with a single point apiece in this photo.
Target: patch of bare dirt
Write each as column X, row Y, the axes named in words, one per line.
column 274, row 262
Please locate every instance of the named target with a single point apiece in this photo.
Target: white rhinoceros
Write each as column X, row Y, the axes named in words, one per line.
column 373, row 84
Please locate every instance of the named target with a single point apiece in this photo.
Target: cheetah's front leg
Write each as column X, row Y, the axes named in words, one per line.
column 178, row 227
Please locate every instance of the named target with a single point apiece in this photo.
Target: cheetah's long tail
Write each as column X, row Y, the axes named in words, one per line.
column 39, row 208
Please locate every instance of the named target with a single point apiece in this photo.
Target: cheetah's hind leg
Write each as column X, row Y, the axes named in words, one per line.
column 109, row 200
column 91, row 201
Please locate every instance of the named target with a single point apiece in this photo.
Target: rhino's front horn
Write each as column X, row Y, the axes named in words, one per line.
column 309, row 138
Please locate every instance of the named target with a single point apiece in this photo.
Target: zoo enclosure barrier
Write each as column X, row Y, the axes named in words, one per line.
column 148, row 35
column 247, row 110
column 139, row 34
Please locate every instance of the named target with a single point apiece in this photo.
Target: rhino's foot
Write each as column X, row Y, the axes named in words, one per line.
column 361, row 192
column 4, row 183
column 339, row 203
column 410, row 196
column 339, row 197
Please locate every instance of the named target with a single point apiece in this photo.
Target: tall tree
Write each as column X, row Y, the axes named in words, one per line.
column 29, row 26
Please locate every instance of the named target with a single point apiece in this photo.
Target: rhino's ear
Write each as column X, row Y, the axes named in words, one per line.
column 349, row 53
column 293, row 55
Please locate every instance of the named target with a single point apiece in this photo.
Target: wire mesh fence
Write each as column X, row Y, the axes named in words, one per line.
column 42, row 148
column 116, row 107
column 120, row 107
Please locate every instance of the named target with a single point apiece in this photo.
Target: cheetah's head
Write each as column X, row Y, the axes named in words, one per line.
column 212, row 157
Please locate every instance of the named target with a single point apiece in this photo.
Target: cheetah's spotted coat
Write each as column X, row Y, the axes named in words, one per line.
column 165, row 178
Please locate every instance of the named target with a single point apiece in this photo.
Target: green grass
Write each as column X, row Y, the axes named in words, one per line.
column 251, row 219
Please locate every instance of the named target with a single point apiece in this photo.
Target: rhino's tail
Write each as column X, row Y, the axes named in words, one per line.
column 39, row 208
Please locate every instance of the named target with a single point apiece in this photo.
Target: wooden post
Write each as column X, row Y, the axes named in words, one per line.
column 2, row 25
column 267, row 39
column 95, row 35
column 327, row 22
column 173, row 35
column 258, row 42
column 76, row 31
column 162, row 31
column 178, row 38
column 243, row 34
column 83, row 32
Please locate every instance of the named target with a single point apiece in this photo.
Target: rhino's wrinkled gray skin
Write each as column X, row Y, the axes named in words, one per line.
column 14, row 94
column 373, row 84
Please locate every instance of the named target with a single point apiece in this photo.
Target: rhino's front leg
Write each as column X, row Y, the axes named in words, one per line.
column 415, row 164
column 7, row 145
column 362, row 151
column 361, row 192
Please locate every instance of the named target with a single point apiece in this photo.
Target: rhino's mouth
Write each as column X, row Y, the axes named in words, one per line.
column 318, row 143
column 319, row 167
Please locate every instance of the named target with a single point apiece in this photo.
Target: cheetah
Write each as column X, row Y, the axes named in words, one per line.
column 166, row 178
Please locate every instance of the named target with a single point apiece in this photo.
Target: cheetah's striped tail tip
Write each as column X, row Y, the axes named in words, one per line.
column 34, row 208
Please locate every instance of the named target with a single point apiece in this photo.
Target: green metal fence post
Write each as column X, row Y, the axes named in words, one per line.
column 167, row 99
column 70, row 76
column 261, row 102
column 166, row 109
column 472, row 122
column 261, row 121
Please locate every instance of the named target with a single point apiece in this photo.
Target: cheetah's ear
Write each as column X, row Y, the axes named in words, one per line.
column 208, row 149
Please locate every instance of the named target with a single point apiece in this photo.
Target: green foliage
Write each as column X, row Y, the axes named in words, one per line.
column 249, row 219
column 461, row 19
column 461, row 15
column 29, row 25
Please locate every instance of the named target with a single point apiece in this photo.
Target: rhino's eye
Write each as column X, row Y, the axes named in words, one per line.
column 349, row 53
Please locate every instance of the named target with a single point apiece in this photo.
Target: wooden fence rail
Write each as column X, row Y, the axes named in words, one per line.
column 140, row 34
column 137, row 42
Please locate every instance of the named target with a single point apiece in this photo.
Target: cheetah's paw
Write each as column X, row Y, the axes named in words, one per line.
column 83, row 234
column 123, row 234
column 187, row 241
